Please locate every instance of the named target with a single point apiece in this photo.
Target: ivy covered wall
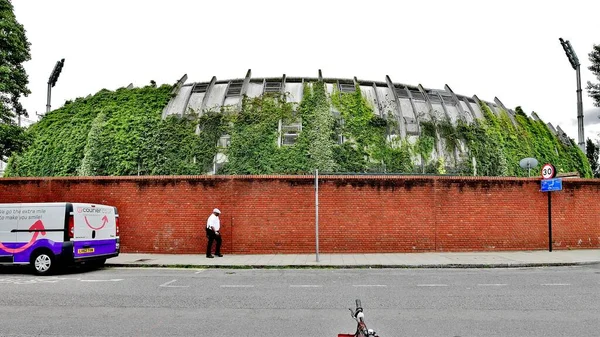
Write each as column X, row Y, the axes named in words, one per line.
column 121, row 133
column 111, row 133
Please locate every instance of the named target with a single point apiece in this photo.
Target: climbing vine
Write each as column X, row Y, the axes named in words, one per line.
column 255, row 147
column 122, row 133
column 318, row 123
column 111, row 133
column 368, row 145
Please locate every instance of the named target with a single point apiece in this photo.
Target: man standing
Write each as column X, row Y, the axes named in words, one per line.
column 213, row 225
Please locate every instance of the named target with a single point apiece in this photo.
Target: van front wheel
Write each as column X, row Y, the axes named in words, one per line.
column 42, row 262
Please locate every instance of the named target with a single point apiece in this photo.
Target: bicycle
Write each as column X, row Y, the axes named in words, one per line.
column 361, row 329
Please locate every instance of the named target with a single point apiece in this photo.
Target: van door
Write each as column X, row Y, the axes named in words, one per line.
column 40, row 226
column 9, row 215
column 94, row 232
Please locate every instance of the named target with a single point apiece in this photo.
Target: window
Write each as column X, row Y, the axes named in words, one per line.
column 347, row 87
column 272, row 86
column 401, row 91
column 200, row 87
column 289, row 133
column 417, row 95
column 449, row 100
column 434, row 98
column 289, row 139
column 224, row 141
column 234, row 89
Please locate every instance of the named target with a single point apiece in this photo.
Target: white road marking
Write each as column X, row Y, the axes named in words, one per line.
column 237, row 286
column 200, row 271
column 34, row 280
column 432, row 285
column 167, row 285
column 369, row 285
column 145, row 268
column 492, row 285
column 305, row 286
column 556, row 284
column 111, row 280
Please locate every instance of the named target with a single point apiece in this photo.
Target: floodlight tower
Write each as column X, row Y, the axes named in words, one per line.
column 576, row 65
column 52, row 80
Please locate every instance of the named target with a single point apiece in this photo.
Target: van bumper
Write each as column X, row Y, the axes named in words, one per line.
column 67, row 255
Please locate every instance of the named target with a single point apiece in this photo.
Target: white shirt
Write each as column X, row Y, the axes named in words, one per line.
column 214, row 222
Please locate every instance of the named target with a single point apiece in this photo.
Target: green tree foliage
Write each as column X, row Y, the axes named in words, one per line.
column 593, row 152
column 14, row 51
column 594, row 88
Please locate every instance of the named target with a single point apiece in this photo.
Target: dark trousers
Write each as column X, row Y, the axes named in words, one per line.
column 211, row 238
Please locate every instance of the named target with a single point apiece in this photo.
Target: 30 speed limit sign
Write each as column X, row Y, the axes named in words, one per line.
column 548, row 171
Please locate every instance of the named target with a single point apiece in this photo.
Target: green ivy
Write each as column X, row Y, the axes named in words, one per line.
column 254, row 138
column 498, row 144
column 93, row 152
column 318, row 136
column 122, row 133
column 211, row 125
column 110, row 133
column 366, row 147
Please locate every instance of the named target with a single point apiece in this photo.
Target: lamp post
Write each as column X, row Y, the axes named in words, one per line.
column 576, row 65
column 52, row 80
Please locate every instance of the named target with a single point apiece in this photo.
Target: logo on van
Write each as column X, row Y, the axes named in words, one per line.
column 38, row 228
column 104, row 222
column 93, row 210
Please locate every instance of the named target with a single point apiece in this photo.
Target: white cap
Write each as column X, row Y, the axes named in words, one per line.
column 216, row 210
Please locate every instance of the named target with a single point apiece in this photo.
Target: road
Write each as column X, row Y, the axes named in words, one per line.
column 560, row 301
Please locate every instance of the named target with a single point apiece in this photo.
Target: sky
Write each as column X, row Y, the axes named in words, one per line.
column 506, row 49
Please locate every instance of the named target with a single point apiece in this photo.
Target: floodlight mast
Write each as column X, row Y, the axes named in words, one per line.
column 577, row 66
column 52, row 80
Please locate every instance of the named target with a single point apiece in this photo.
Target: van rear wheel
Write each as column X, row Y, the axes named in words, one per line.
column 43, row 262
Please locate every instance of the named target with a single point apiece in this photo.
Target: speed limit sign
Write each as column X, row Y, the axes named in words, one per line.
column 548, row 171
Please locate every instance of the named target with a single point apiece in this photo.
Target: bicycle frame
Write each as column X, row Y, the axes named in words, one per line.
column 361, row 327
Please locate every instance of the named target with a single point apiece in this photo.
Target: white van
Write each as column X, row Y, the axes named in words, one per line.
column 47, row 234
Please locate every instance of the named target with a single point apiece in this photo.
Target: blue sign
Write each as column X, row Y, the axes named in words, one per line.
column 549, row 185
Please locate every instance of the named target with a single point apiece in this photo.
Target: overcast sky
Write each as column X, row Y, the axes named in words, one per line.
column 505, row 48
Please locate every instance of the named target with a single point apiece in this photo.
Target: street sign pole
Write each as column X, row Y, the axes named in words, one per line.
column 550, row 221
column 549, row 184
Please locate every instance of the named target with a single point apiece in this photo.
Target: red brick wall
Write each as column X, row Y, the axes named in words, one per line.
column 276, row 214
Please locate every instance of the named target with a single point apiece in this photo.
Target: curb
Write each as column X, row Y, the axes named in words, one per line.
column 396, row 266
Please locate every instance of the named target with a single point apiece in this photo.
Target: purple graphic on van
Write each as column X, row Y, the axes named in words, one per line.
column 23, row 255
column 37, row 228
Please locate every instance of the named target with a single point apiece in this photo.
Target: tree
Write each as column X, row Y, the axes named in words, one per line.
column 594, row 88
column 593, row 151
column 14, row 51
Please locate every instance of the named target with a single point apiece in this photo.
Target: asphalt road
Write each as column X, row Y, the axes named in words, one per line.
column 560, row 301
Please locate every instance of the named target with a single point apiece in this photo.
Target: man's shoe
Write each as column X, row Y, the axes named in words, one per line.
column 219, row 255
column 210, row 257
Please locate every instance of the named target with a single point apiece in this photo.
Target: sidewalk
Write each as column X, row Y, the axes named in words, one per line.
column 387, row 260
